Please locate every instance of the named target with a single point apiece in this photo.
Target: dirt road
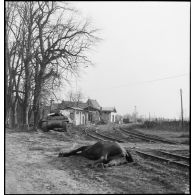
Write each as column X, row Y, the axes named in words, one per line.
column 32, row 166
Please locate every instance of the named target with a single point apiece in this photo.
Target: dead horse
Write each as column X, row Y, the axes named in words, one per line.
column 103, row 152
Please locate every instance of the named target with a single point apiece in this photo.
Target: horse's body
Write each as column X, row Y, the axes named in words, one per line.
column 103, row 152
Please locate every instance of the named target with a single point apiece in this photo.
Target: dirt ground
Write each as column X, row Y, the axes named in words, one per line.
column 33, row 166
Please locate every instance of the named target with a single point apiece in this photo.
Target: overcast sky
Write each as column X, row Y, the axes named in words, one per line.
column 143, row 60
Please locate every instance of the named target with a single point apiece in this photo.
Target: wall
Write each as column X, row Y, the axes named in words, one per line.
column 113, row 117
column 105, row 116
column 108, row 117
column 78, row 117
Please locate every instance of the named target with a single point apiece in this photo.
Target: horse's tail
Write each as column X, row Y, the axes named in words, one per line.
column 128, row 157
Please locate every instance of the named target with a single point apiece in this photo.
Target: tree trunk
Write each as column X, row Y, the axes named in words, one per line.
column 14, row 118
column 26, row 101
column 8, row 112
column 36, row 103
column 36, row 119
column 25, row 116
column 7, row 64
column 37, row 94
column 12, row 123
column 36, row 112
column 27, row 70
column 26, row 105
column 13, row 115
column 16, row 114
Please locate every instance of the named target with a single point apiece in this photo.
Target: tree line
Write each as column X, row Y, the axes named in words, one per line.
column 45, row 43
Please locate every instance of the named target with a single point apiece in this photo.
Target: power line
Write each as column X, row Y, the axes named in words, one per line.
column 165, row 78
column 142, row 82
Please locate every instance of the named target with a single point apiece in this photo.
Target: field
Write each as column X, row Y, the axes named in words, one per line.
column 33, row 165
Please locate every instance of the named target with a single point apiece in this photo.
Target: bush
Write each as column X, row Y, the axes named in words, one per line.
column 126, row 120
column 167, row 125
column 150, row 124
column 101, row 122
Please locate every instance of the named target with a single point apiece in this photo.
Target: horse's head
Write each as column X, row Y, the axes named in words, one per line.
column 128, row 157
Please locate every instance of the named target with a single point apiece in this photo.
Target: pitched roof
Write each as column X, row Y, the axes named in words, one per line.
column 108, row 109
column 93, row 104
column 68, row 104
column 76, row 108
column 82, row 105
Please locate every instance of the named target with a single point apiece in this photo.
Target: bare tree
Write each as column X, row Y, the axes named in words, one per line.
column 70, row 96
column 75, row 96
column 61, row 47
column 14, row 69
column 28, row 13
column 47, row 42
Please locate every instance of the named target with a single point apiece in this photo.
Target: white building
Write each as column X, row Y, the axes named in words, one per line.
column 108, row 114
column 76, row 114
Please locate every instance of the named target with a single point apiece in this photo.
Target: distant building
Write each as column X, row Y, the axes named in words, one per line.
column 108, row 114
column 93, row 108
column 76, row 114
column 79, row 112
column 83, row 113
column 75, row 111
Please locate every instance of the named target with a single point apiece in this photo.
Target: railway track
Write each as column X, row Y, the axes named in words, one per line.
column 146, row 137
column 96, row 137
column 110, row 138
column 165, row 157
column 176, row 156
column 162, row 156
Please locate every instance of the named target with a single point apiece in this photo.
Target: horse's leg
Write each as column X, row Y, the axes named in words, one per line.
column 100, row 162
column 73, row 152
column 117, row 160
column 128, row 157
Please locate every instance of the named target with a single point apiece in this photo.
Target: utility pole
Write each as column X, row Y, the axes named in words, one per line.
column 76, row 84
column 51, row 100
column 181, row 108
column 135, row 115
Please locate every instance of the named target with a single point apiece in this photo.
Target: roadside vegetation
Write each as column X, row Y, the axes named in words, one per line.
column 33, row 166
column 46, row 43
column 172, row 125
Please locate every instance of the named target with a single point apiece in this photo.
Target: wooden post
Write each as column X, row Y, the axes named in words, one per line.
column 51, row 100
column 181, row 108
column 135, row 115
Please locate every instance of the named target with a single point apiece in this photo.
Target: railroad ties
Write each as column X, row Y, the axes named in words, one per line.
column 110, row 138
column 95, row 137
column 167, row 157
column 162, row 156
column 147, row 137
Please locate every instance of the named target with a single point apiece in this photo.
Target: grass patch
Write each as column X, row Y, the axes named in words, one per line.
column 166, row 125
column 37, row 148
column 187, row 141
column 184, row 135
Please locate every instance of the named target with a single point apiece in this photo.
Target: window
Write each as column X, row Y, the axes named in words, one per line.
column 72, row 116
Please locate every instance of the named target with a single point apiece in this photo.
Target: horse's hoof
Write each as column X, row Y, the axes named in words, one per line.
column 90, row 165
column 60, row 154
column 100, row 165
column 134, row 163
